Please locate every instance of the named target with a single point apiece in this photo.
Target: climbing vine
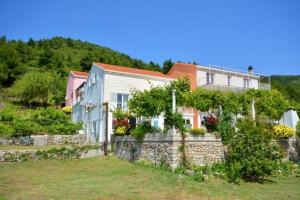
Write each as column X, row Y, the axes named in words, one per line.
column 151, row 103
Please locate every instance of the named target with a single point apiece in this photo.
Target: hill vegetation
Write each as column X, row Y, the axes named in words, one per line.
column 289, row 86
column 59, row 55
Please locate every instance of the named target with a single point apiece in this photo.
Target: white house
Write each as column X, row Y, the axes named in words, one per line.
column 112, row 84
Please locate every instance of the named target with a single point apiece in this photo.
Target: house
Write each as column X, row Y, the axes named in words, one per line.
column 74, row 81
column 214, row 78
column 113, row 84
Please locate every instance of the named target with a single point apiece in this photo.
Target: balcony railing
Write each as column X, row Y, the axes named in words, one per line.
column 222, row 87
column 264, row 86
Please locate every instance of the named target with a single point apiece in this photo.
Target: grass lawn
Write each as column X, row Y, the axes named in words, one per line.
column 111, row 178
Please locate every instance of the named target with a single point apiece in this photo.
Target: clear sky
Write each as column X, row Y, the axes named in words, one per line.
column 230, row 33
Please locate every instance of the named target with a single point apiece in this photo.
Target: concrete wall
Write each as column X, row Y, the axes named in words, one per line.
column 158, row 148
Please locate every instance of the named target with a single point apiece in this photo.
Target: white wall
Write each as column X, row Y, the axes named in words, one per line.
column 220, row 79
column 124, row 83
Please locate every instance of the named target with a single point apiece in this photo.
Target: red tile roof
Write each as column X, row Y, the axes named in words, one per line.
column 83, row 74
column 130, row 70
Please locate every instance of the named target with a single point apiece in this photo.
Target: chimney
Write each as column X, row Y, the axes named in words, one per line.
column 250, row 70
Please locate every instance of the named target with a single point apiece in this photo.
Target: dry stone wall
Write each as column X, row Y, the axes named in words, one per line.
column 165, row 148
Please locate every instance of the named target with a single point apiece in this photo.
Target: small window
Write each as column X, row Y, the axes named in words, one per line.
column 212, row 78
column 246, row 83
column 187, row 123
column 229, row 80
column 207, row 78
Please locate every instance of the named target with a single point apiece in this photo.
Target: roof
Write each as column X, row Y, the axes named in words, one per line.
column 130, row 70
column 82, row 74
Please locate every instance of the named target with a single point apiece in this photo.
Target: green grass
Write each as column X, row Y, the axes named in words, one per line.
column 111, row 178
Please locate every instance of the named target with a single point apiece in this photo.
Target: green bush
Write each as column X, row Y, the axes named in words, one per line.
column 6, row 131
column 65, row 129
column 251, row 153
column 197, row 131
column 49, row 116
column 7, row 113
column 141, row 129
column 225, row 127
column 25, row 128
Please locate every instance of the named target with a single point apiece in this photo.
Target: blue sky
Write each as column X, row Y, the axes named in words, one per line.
column 231, row 33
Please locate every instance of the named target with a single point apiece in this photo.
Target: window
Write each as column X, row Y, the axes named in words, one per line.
column 188, row 122
column 246, row 83
column 155, row 122
column 122, row 101
column 229, row 80
column 207, row 78
column 210, row 78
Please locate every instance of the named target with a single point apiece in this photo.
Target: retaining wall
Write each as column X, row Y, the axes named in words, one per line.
column 166, row 148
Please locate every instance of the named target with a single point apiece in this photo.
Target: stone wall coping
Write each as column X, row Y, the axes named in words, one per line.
column 168, row 137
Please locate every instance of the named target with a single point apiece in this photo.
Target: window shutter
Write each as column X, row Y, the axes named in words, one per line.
column 113, row 100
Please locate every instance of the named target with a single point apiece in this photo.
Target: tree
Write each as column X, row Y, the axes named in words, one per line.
column 167, row 66
column 33, row 85
column 31, row 42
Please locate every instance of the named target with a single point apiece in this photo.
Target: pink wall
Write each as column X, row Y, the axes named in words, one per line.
column 73, row 83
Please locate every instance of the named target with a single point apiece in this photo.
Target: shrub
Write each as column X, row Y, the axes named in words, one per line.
column 49, row 116
column 226, row 127
column 140, row 130
column 7, row 114
column 197, row 131
column 68, row 128
column 251, row 153
column 6, row 131
column 283, row 131
column 25, row 128
column 67, row 109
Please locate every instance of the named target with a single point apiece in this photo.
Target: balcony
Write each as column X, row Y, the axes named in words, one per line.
column 222, row 87
column 264, row 86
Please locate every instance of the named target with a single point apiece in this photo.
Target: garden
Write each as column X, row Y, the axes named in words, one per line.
column 252, row 139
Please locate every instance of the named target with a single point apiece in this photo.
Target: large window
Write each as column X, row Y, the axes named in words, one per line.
column 210, row 78
column 122, row 101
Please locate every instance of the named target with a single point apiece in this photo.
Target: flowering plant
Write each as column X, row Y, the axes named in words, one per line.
column 67, row 109
column 120, row 122
column 283, row 131
column 210, row 122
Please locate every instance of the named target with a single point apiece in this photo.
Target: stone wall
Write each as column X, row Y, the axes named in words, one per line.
column 43, row 140
column 63, row 153
column 165, row 148
column 291, row 147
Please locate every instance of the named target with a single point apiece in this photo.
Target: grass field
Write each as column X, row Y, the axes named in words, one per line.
column 111, row 178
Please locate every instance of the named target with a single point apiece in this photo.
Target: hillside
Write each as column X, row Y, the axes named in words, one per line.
column 289, row 86
column 57, row 54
